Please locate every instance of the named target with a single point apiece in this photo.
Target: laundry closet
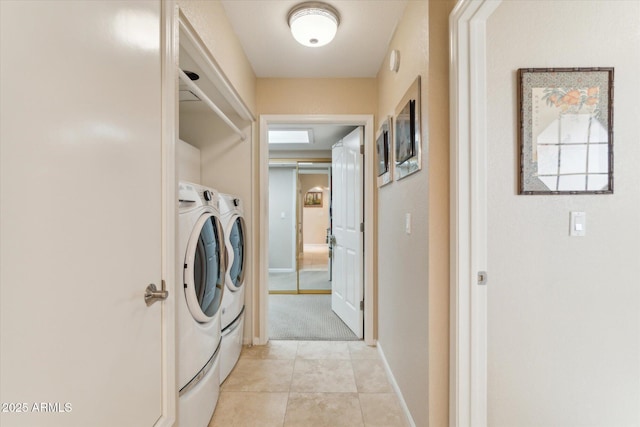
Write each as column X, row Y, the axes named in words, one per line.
column 214, row 148
column 213, row 164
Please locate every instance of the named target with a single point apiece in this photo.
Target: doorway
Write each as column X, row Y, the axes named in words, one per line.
column 266, row 186
column 300, row 288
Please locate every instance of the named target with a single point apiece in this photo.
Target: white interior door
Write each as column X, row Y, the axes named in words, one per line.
column 347, row 256
column 81, row 208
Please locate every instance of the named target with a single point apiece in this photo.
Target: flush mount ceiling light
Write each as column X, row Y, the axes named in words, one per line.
column 313, row 24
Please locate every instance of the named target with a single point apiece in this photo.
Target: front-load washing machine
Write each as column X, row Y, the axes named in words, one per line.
column 202, row 262
column 232, row 213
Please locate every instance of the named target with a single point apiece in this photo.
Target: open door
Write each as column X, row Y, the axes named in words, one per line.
column 83, row 233
column 347, row 237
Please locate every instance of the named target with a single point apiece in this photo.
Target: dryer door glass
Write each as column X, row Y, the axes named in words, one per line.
column 237, row 240
column 208, row 271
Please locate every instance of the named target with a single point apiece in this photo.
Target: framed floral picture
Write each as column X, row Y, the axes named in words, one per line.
column 566, row 130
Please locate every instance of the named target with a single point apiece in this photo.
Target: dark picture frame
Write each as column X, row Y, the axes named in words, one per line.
column 407, row 133
column 565, row 136
column 384, row 152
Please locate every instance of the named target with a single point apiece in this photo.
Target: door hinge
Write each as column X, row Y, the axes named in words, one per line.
column 482, row 277
column 362, row 305
column 362, row 227
column 362, row 150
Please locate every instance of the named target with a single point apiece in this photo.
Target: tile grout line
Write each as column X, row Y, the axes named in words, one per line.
column 356, row 381
column 286, row 407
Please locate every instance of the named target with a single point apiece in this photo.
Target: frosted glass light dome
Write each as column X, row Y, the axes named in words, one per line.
column 313, row 24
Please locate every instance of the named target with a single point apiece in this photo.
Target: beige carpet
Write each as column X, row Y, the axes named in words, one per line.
column 306, row 317
column 309, row 280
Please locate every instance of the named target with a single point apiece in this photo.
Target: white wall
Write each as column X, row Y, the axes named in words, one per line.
column 282, row 218
column 187, row 162
column 563, row 318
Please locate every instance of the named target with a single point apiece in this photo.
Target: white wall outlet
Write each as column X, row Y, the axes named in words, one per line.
column 578, row 224
column 407, row 223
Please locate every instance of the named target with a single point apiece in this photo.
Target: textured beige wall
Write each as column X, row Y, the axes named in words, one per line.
column 563, row 312
column 210, row 21
column 413, row 272
column 438, row 170
column 403, row 262
column 316, row 96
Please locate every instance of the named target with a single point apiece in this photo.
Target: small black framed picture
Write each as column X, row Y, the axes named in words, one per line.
column 407, row 133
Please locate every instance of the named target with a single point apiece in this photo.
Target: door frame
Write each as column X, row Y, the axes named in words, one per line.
column 169, row 78
column 468, row 207
column 260, row 304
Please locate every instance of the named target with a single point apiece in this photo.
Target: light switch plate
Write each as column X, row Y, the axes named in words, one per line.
column 407, row 223
column 578, row 224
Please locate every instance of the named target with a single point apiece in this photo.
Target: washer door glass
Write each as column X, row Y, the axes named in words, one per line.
column 204, row 269
column 237, row 240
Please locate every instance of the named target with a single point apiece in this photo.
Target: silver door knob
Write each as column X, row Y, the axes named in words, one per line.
column 152, row 294
column 332, row 240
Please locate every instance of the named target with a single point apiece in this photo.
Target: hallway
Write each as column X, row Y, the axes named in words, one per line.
column 308, row 384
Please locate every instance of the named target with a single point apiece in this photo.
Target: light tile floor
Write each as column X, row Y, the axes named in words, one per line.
column 308, row 384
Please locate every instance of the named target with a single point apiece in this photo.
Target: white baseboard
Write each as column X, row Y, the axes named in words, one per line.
column 396, row 388
column 282, row 270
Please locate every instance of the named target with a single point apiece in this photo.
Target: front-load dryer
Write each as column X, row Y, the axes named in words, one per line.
column 232, row 213
column 202, row 263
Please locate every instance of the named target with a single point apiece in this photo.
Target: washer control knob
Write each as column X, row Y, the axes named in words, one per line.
column 207, row 195
column 236, row 202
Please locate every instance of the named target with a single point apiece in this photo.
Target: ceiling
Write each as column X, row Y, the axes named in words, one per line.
column 358, row 50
